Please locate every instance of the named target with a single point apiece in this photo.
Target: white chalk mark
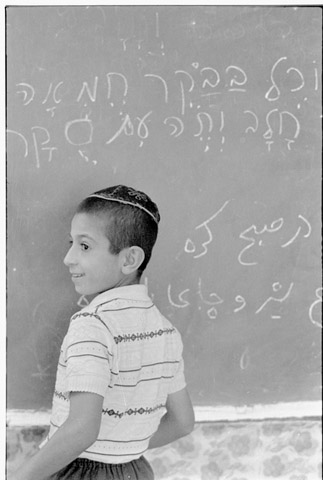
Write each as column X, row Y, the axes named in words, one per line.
column 318, row 293
column 217, row 300
column 48, row 93
column 298, row 232
column 125, row 82
column 126, row 127
column 252, row 240
column 278, row 300
column 274, row 87
column 91, row 94
column 234, row 80
column 274, row 227
column 177, row 124
column 212, row 313
column 184, row 303
column 308, row 225
column 82, row 121
column 83, row 155
column 27, row 91
column 222, row 121
column 157, row 24
column 142, row 126
column 269, row 133
column 245, row 359
column 302, row 79
column 298, row 128
column 22, row 138
column 182, row 88
column 208, row 116
column 205, row 224
column 255, row 127
column 208, row 82
column 163, row 82
column 44, row 142
column 292, row 239
column 189, row 246
column 239, row 299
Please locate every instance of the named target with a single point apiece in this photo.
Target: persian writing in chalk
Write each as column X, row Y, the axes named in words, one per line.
column 276, row 234
column 250, row 234
column 188, row 108
column 188, row 296
column 190, row 246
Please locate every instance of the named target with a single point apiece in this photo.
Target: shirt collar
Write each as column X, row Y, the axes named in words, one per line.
column 131, row 292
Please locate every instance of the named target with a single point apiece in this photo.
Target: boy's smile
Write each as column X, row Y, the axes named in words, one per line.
column 92, row 267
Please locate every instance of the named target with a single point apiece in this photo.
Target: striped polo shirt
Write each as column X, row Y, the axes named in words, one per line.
column 120, row 347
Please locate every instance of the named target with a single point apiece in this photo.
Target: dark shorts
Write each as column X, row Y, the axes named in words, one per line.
column 84, row 469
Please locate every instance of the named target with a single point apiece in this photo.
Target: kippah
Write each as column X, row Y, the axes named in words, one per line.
column 129, row 196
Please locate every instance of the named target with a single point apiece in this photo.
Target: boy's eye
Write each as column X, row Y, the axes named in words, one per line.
column 84, row 246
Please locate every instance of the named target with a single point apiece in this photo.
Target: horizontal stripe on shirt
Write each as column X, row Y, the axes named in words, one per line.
column 86, row 355
column 127, row 308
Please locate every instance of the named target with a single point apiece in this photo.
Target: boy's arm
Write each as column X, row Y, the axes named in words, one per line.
column 78, row 432
column 178, row 420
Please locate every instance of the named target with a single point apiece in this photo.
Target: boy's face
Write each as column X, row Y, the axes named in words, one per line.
column 93, row 268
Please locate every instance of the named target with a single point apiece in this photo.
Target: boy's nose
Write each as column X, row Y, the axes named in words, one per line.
column 69, row 258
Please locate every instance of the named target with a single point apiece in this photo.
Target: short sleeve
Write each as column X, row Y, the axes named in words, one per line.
column 88, row 355
column 178, row 381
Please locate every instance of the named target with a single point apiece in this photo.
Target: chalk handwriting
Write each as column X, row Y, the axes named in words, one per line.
column 177, row 124
column 86, row 125
column 307, row 234
column 184, row 303
column 251, row 232
column 240, row 299
column 22, row 138
column 245, row 235
column 276, row 287
column 28, row 92
column 190, row 246
column 90, row 93
column 282, row 126
column 38, row 132
column 274, row 92
column 318, row 294
column 163, row 83
column 234, row 82
column 254, row 127
column 124, row 80
column 126, row 127
column 274, row 88
column 192, row 83
column 245, row 359
column 215, row 299
column 208, row 82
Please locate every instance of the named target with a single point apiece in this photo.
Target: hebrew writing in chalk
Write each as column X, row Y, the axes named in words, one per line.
column 195, row 91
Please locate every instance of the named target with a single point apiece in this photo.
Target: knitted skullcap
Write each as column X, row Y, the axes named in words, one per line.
column 129, row 196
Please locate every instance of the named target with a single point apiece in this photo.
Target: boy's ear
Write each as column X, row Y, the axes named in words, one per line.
column 132, row 259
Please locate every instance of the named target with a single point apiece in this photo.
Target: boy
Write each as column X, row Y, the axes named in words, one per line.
column 120, row 386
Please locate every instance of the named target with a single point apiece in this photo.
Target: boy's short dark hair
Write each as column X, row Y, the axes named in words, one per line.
column 126, row 225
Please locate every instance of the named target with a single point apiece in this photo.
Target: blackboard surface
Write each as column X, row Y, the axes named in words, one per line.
column 215, row 112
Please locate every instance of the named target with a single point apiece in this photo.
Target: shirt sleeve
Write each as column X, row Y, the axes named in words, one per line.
column 88, row 356
column 178, row 381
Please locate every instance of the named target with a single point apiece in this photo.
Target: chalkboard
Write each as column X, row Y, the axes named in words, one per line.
column 215, row 112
